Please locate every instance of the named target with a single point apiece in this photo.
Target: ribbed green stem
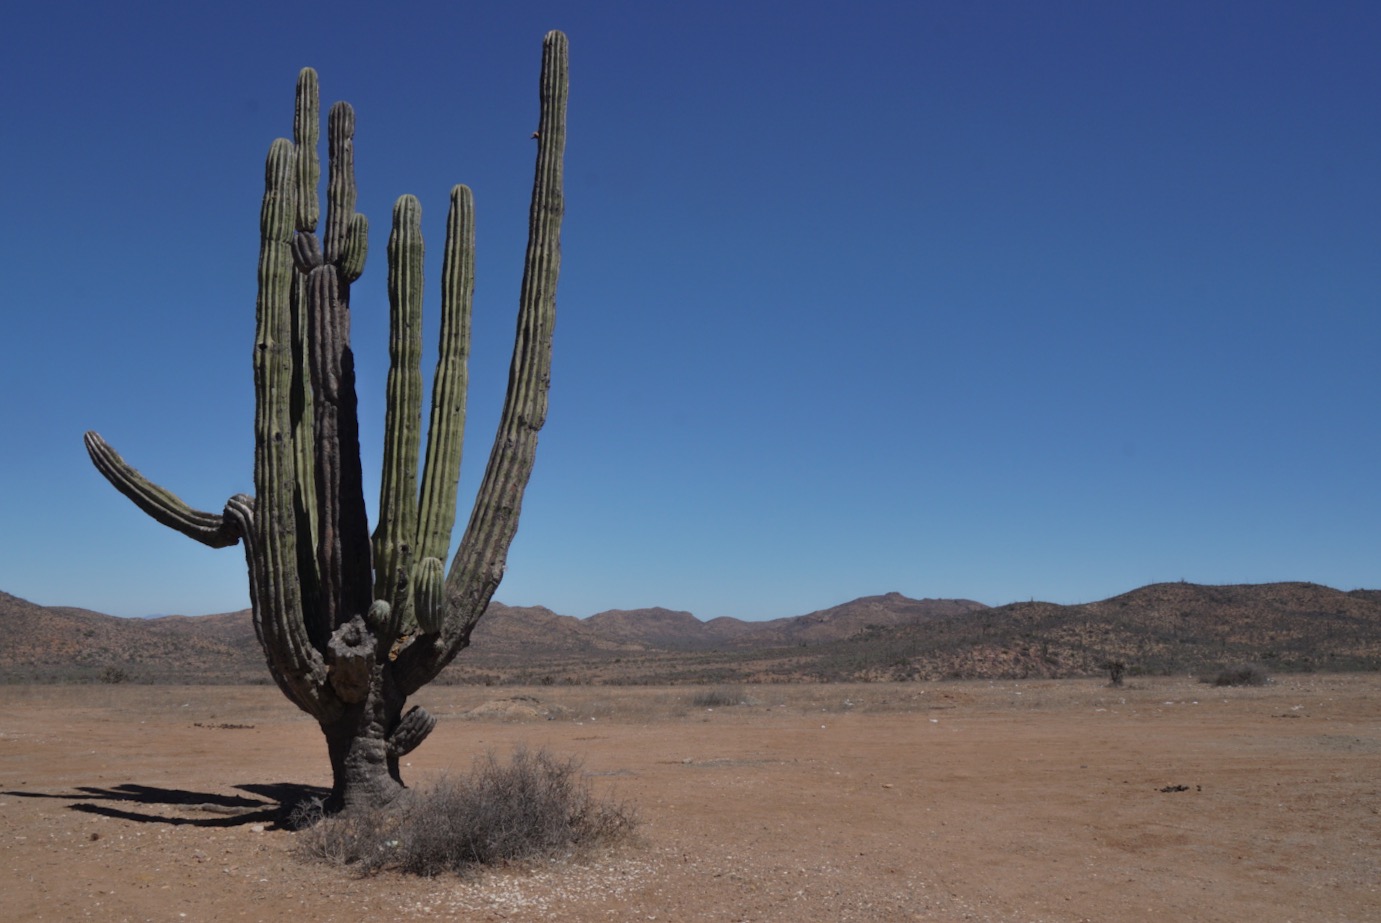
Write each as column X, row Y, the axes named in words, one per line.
column 479, row 564
column 356, row 249
column 397, row 526
column 307, row 135
column 429, row 595
column 303, row 412
column 446, row 427
column 340, row 192
column 340, row 504
column 343, row 543
column 271, row 544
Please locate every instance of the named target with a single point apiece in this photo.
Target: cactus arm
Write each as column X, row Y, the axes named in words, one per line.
column 306, row 136
column 303, row 412
column 343, row 542
column 324, row 364
column 397, row 526
column 297, row 668
column 271, row 527
column 213, row 529
column 411, row 731
column 446, row 427
column 429, row 595
column 341, row 190
column 479, row 563
column 356, row 248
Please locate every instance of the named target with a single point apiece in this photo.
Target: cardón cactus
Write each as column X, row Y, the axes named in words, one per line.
column 353, row 624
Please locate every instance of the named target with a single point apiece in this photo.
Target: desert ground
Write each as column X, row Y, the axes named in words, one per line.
column 1008, row 801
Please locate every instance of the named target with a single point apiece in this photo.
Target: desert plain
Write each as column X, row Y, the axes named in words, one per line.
column 1044, row 800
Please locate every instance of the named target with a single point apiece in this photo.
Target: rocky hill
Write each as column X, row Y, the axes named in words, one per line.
column 57, row 644
column 1162, row 628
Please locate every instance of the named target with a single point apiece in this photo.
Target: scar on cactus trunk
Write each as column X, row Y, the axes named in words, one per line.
column 352, row 623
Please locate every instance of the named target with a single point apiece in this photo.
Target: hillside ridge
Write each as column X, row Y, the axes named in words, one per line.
column 1157, row 628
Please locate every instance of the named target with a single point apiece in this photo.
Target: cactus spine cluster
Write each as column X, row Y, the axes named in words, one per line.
column 352, row 624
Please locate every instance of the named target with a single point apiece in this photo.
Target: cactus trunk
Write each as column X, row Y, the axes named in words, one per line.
column 363, row 770
column 353, row 624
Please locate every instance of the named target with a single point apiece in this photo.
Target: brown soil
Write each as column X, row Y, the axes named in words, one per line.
column 1020, row 801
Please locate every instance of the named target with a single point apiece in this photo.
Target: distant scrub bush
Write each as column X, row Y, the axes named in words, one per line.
column 1244, row 675
column 720, row 697
column 536, row 806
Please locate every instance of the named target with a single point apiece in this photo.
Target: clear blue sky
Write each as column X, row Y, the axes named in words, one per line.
column 997, row 300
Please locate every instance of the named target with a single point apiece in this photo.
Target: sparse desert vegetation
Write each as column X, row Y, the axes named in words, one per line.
column 1002, row 800
column 1247, row 674
column 873, row 761
column 530, row 807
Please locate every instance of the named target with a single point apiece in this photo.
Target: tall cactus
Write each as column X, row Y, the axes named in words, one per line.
column 353, row 624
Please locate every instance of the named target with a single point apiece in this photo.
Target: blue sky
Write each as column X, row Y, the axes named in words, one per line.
column 999, row 300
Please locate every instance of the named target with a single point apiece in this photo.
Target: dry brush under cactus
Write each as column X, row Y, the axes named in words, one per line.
column 352, row 624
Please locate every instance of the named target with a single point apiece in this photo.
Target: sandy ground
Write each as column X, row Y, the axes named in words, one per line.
column 1039, row 801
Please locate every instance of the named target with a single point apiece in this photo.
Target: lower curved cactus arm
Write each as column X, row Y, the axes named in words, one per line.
column 411, row 731
column 214, row 529
column 296, row 666
column 273, row 544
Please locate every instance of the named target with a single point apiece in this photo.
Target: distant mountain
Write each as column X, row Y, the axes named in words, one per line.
column 57, row 644
column 524, row 631
column 1162, row 628
column 847, row 620
column 663, row 629
column 658, row 628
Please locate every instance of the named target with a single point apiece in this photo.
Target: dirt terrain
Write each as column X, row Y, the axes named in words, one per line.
column 1006, row 801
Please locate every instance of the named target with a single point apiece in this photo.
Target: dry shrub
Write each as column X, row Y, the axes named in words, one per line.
column 340, row 839
column 718, row 697
column 1245, row 675
column 536, row 806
